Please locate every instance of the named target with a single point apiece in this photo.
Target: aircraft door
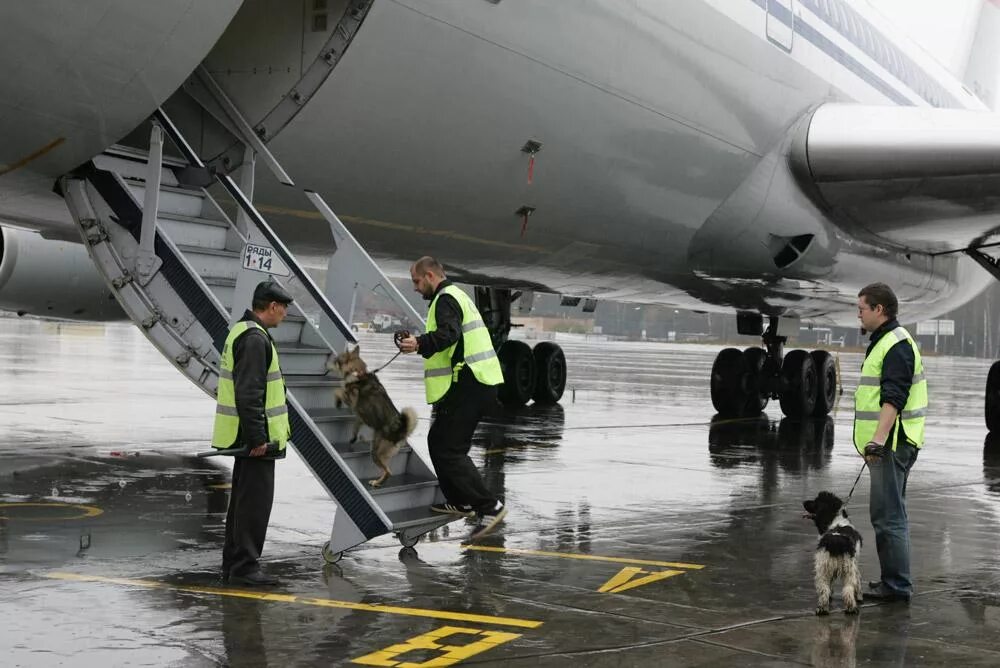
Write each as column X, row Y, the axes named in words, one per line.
column 781, row 22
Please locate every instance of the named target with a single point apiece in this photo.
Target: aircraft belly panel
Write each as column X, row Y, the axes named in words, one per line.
column 80, row 75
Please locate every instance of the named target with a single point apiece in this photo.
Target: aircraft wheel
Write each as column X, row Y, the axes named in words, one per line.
column 798, row 393
column 331, row 557
column 993, row 398
column 550, row 382
column 756, row 398
column 728, row 382
column 826, row 382
column 518, row 365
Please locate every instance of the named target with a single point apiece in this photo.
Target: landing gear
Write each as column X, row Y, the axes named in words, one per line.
column 519, row 371
column 550, row 380
column 538, row 374
column 804, row 383
column 993, row 399
column 798, row 392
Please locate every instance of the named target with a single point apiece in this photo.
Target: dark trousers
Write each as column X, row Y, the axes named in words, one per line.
column 249, row 512
column 455, row 418
column 887, row 508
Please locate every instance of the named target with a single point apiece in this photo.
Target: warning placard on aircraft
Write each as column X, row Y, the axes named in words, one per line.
column 264, row 260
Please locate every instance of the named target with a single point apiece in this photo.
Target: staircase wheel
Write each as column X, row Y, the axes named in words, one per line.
column 756, row 398
column 826, row 382
column 407, row 541
column 331, row 557
column 518, row 365
column 993, row 399
column 798, row 380
column 729, row 395
column 550, row 366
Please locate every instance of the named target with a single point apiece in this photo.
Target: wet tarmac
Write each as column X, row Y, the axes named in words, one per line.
column 643, row 530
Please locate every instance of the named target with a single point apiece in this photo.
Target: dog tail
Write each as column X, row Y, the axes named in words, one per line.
column 409, row 421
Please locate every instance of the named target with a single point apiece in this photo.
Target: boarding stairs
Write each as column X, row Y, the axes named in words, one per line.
column 174, row 259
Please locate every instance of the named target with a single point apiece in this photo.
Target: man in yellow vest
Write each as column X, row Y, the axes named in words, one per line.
column 461, row 374
column 251, row 413
column 890, row 405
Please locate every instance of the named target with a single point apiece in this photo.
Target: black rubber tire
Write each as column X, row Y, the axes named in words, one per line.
column 518, row 365
column 728, row 382
column 826, row 382
column 331, row 557
column 993, row 399
column 550, row 373
column 798, row 376
column 407, row 542
column 756, row 399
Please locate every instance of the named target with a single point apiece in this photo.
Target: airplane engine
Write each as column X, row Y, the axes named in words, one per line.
column 51, row 278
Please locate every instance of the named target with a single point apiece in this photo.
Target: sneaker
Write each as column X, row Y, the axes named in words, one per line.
column 450, row 509
column 488, row 523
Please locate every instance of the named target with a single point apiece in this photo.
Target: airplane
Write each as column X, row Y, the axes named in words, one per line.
column 763, row 158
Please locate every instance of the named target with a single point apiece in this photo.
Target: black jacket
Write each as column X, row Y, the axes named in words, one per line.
column 448, row 318
column 897, row 370
column 251, row 359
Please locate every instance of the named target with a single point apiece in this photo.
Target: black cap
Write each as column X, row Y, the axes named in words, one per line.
column 269, row 291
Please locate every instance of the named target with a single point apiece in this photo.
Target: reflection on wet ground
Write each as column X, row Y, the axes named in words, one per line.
column 644, row 529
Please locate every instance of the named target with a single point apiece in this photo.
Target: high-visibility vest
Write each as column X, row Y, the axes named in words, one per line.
column 867, row 398
column 477, row 349
column 227, row 419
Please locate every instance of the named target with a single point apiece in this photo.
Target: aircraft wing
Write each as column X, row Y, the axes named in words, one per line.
column 925, row 179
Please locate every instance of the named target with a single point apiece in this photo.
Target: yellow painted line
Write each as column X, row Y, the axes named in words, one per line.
column 624, row 581
column 584, row 557
column 83, row 512
column 447, row 655
column 288, row 598
column 222, row 485
column 4, row 169
column 398, row 227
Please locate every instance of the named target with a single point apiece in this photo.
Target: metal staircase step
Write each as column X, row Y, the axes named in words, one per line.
column 212, row 262
column 405, row 491
column 313, row 392
column 173, row 199
column 222, row 288
column 194, row 230
column 301, row 360
column 360, row 461
column 336, row 424
column 418, row 516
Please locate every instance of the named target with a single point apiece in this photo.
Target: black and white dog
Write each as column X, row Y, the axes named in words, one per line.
column 836, row 554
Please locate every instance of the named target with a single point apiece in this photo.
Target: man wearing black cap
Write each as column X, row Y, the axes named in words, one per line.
column 251, row 412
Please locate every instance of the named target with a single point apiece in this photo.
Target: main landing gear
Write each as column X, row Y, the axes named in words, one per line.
column 537, row 374
column 743, row 381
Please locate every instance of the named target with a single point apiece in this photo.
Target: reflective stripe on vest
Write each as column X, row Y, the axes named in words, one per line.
column 868, row 395
column 477, row 348
column 227, row 420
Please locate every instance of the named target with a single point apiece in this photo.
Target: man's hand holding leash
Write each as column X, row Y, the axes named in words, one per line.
column 406, row 342
column 874, row 452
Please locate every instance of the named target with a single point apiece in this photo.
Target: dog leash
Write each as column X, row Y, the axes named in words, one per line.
column 387, row 363
column 855, row 484
column 397, row 337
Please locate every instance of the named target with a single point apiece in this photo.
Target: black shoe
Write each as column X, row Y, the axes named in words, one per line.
column 884, row 594
column 488, row 522
column 450, row 509
column 254, row 579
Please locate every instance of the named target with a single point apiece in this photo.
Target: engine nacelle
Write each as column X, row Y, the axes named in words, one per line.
column 51, row 279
